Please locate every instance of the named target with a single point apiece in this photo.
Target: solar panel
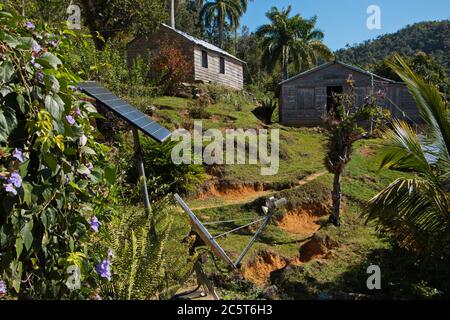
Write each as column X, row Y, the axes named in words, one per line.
column 204, row 233
column 127, row 112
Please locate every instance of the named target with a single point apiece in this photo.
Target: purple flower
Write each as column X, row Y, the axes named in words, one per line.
column 10, row 188
column 66, row 180
column 96, row 296
column 54, row 43
column 94, row 223
column 34, row 63
column 18, row 155
column 90, row 166
column 3, row 290
column 36, row 48
column 104, row 269
column 30, row 25
column 110, row 253
column 70, row 120
column 15, row 179
column 77, row 112
column 40, row 77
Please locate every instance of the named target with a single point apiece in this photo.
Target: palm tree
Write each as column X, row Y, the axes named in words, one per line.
column 243, row 4
column 293, row 39
column 417, row 210
column 222, row 11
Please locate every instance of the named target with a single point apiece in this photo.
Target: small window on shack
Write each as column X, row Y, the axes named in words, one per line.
column 222, row 65
column 204, row 59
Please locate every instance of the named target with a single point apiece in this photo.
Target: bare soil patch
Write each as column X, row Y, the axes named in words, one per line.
column 258, row 270
column 304, row 219
column 319, row 247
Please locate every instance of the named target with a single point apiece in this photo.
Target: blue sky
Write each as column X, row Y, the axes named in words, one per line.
column 344, row 21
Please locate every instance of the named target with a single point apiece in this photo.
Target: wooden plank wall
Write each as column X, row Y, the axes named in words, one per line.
column 149, row 45
column 303, row 100
column 233, row 76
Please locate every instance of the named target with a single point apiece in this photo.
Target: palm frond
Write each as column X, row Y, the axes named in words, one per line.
column 429, row 100
column 415, row 211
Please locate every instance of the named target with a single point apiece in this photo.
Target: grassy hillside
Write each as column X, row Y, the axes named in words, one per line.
column 299, row 255
column 430, row 37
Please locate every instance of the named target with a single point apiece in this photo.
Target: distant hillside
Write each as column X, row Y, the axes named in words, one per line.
column 430, row 37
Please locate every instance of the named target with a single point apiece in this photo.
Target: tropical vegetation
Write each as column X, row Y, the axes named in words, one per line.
column 72, row 225
column 291, row 39
column 416, row 210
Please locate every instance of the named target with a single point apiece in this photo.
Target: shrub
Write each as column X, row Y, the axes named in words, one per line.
column 54, row 176
column 198, row 109
column 163, row 175
column 110, row 67
column 266, row 109
column 171, row 66
column 139, row 244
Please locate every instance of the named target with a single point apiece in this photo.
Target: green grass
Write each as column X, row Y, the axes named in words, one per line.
column 301, row 154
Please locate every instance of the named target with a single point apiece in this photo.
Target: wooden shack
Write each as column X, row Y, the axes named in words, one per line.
column 306, row 98
column 209, row 64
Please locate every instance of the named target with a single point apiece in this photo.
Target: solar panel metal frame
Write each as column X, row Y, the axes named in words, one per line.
column 126, row 111
column 204, row 233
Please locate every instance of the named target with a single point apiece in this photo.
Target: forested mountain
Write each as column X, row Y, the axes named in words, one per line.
column 431, row 37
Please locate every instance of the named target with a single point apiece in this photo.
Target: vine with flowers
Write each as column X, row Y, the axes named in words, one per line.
column 55, row 181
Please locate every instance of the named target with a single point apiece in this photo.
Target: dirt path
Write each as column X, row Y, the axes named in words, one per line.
column 249, row 196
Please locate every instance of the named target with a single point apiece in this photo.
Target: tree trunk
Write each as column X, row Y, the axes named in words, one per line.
column 172, row 13
column 235, row 41
column 221, row 25
column 284, row 64
column 92, row 25
column 336, row 197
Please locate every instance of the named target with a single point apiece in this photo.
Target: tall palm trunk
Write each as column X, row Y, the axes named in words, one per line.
column 221, row 27
column 284, row 63
column 336, row 197
column 235, row 40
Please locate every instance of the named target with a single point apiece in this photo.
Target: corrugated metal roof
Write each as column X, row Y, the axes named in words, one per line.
column 203, row 43
column 325, row 65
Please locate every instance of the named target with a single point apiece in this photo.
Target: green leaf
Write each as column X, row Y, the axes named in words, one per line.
column 55, row 106
column 27, row 190
column 49, row 60
column 83, row 170
column 10, row 40
column 6, row 14
column 51, row 161
column 70, row 151
column 19, row 246
column 27, row 234
column 51, row 83
column 87, row 150
column 26, row 43
column 6, row 71
column 23, row 168
column 8, row 122
column 110, row 175
column 21, row 103
column 16, row 268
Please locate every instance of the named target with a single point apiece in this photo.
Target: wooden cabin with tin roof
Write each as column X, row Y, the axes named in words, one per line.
column 306, row 98
column 209, row 64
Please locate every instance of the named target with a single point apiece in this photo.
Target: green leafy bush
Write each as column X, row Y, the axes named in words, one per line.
column 110, row 67
column 54, row 177
column 198, row 109
column 140, row 243
column 266, row 110
column 163, row 175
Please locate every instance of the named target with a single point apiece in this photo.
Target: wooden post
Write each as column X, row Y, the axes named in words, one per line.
column 141, row 170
